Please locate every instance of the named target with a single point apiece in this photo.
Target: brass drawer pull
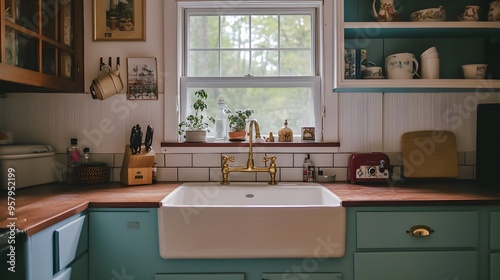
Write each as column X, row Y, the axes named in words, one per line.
column 420, row 230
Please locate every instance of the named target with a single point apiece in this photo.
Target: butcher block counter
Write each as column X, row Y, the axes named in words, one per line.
column 38, row 207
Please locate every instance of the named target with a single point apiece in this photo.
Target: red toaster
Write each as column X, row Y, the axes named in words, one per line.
column 369, row 167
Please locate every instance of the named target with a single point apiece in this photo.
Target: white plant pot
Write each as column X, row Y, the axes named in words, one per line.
column 196, row 136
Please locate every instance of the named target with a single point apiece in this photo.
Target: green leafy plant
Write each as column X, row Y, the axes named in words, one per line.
column 197, row 121
column 239, row 119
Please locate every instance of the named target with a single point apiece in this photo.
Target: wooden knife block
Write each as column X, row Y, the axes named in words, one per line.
column 137, row 169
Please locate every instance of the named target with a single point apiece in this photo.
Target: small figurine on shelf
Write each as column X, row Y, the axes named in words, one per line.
column 285, row 134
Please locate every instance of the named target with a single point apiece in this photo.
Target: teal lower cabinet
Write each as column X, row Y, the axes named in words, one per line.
column 495, row 266
column 302, row 276
column 123, row 244
column 204, row 276
column 53, row 252
column 78, row 270
column 416, row 266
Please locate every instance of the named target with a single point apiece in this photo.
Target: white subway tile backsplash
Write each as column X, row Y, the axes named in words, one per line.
column 167, row 174
column 322, row 159
column 470, row 158
column 283, row 160
column 206, row 160
column 193, row 174
column 178, row 160
column 291, row 174
column 466, row 172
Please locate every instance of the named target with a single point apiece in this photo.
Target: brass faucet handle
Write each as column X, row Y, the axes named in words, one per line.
column 224, row 159
column 272, row 159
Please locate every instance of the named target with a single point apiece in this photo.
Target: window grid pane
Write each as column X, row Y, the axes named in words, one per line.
column 281, row 43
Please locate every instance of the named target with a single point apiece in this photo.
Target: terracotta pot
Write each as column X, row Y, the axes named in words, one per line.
column 196, row 136
column 237, row 135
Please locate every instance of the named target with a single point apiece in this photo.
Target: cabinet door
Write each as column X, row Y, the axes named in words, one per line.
column 123, row 244
column 70, row 241
column 76, row 271
column 211, row 276
column 416, row 265
column 495, row 266
column 495, row 230
column 309, row 276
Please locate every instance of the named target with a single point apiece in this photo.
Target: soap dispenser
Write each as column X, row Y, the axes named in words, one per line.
column 285, row 134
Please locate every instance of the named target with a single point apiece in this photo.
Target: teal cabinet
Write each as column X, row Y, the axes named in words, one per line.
column 421, row 243
column 123, row 244
column 495, row 230
column 79, row 270
column 415, row 265
column 201, row 276
column 297, row 276
column 495, row 266
column 57, row 247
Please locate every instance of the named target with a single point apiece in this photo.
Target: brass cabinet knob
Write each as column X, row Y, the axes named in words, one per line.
column 420, row 230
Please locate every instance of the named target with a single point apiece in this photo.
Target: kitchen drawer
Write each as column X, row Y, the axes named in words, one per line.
column 495, row 231
column 70, row 241
column 416, row 265
column 389, row 229
column 76, row 271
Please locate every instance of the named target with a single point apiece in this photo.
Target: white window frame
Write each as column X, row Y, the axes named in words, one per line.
column 314, row 82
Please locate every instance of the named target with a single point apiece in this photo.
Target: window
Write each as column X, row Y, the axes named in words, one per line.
column 254, row 55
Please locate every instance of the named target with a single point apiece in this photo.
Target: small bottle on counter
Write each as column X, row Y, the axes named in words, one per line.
column 305, row 168
column 73, row 155
column 86, row 155
column 155, row 173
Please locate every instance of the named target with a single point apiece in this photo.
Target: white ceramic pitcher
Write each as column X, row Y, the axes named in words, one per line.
column 386, row 12
column 401, row 66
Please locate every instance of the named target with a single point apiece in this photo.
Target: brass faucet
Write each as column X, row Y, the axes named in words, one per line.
column 226, row 169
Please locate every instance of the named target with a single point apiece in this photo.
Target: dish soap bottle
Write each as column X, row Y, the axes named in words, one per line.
column 305, row 168
column 73, row 156
column 285, row 134
column 221, row 125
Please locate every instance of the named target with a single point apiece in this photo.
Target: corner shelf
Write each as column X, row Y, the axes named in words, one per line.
column 384, row 38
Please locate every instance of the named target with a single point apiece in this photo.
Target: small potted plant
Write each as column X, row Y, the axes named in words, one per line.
column 196, row 125
column 238, row 123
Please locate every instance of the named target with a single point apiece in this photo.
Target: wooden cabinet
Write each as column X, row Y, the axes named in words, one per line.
column 41, row 46
column 401, row 244
column 458, row 42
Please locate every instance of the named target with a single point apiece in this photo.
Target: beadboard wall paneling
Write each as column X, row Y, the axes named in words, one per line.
column 104, row 126
column 360, row 122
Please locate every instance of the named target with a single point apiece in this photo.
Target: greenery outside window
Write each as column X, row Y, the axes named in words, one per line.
column 262, row 55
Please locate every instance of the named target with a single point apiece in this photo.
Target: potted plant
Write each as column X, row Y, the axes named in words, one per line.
column 196, row 125
column 238, row 123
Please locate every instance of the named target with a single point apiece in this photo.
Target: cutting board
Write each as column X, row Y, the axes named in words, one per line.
column 429, row 154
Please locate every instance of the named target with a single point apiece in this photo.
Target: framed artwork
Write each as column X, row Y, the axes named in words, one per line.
column 142, row 79
column 119, row 20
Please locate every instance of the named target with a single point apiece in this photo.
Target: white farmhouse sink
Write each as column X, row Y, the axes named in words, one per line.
column 251, row 220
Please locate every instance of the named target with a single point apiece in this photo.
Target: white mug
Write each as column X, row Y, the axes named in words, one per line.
column 401, row 66
column 430, row 68
column 494, row 12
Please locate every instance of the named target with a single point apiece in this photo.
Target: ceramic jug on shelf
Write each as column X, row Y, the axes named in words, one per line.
column 386, row 12
column 494, row 12
column 401, row 66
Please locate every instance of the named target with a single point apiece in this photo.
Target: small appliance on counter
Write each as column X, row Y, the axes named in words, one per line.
column 369, row 167
column 26, row 165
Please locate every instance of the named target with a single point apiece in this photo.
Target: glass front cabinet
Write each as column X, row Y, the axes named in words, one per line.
column 41, row 43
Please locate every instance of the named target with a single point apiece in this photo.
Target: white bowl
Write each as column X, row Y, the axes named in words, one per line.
column 474, row 71
column 431, row 14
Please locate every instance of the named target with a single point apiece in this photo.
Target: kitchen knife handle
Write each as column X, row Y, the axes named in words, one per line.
column 420, row 230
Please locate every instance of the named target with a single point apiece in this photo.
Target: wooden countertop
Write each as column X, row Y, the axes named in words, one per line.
column 41, row 206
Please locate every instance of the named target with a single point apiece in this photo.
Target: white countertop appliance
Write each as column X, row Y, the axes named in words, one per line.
column 26, row 165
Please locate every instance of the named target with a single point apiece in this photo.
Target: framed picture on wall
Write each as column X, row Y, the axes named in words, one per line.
column 119, row 20
column 142, row 79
